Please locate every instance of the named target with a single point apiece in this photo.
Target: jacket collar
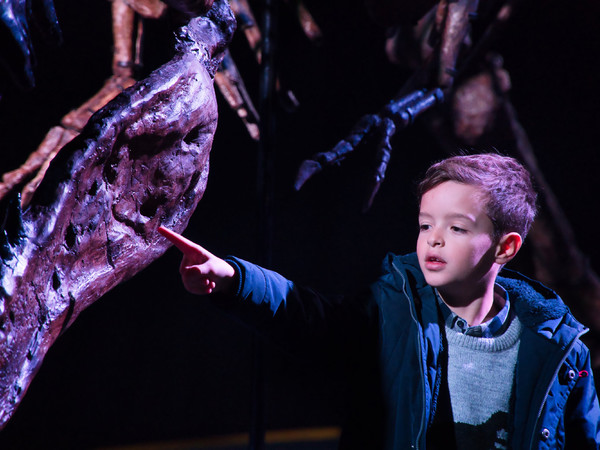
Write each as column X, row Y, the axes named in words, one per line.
column 538, row 307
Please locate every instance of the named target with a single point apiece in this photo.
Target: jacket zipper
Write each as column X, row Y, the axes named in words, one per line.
column 559, row 365
column 420, row 350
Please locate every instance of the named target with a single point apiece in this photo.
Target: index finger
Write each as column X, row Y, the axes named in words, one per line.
column 186, row 246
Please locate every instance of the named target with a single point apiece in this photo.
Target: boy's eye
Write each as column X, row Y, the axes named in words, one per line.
column 458, row 229
column 424, row 227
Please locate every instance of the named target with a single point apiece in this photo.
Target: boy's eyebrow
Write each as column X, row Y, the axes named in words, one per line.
column 468, row 217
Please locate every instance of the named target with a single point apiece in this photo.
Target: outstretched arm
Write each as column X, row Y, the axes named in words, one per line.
column 293, row 317
column 201, row 271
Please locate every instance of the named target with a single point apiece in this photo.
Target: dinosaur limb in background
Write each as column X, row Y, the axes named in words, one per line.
column 397, row 114
column 439, row 51
column 450, row 23
column 140, row 162
column 124, row 57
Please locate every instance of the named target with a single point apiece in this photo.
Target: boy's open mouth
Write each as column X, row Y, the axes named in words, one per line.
column 433, row 262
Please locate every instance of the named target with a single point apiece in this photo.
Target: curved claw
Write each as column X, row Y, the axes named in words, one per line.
column 308, row 168
column 387, row 130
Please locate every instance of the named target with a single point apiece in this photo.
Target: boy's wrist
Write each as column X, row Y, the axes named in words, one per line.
column 233, row 285
column 228, row 284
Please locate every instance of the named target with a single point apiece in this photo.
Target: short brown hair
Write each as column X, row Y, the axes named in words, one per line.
column 511, row 198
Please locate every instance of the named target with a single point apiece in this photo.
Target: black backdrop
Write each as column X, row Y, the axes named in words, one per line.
column 150, row 362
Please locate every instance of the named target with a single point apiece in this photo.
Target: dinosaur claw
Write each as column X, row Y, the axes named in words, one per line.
column 307, row 169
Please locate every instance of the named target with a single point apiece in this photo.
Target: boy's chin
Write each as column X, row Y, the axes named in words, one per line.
column 441, row 285
column 434, row 280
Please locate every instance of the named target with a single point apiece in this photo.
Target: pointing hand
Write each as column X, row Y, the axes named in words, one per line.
column 201, row 271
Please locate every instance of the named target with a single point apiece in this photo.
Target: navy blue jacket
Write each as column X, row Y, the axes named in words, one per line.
column 398, row 328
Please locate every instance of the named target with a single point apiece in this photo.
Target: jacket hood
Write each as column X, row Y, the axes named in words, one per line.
column 534, row 302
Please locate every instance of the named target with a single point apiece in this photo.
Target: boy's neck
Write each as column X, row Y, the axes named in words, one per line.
column 476, row 309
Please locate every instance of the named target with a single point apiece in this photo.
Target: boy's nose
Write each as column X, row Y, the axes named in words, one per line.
column 436, row 240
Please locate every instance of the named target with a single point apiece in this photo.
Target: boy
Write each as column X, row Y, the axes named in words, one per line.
column 465, row 358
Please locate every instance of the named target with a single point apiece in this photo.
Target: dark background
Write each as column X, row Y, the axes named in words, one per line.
column 151, row 362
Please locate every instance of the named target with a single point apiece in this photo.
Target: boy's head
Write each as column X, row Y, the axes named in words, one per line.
column 509, row 194
column 474, row 211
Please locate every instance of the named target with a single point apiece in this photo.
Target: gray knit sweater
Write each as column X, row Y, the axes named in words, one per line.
column 480, row 380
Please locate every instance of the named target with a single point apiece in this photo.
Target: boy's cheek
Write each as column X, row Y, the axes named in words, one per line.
column 420, row 247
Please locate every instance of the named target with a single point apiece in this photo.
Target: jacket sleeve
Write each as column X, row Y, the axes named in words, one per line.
column 295, row 317
column 582, row 421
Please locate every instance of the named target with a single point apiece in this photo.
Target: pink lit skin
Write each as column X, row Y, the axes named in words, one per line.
column 201, row 271
column 457, row 252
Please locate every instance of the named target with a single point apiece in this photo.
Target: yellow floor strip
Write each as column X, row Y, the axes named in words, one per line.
column 240, row 439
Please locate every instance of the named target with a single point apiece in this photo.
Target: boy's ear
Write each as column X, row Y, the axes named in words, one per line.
column 507, row 247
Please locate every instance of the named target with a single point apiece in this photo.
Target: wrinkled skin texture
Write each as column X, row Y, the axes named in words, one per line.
column 141, row 162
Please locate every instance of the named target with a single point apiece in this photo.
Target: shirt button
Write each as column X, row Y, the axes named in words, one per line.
column 461, row 323
column 545, row 433
column 571, row 375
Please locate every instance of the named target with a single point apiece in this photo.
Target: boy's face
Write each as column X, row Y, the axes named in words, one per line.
column 455, row 247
